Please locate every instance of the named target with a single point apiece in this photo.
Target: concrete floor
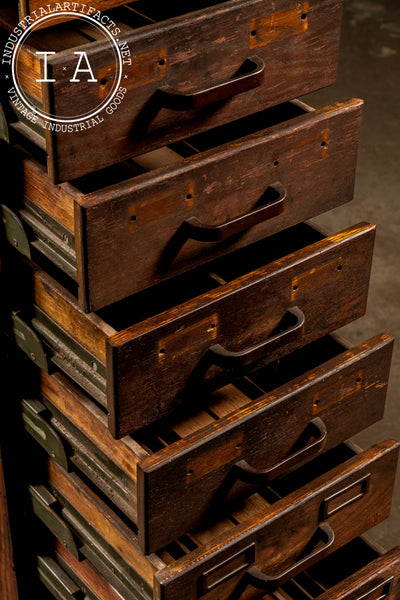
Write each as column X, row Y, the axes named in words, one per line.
column 369, row 68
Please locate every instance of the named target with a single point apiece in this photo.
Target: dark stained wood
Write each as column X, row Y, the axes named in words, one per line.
column 297, row 41
column 27, row 7
column 379, row 579
column 131, row 236
column 313, row 156
column 347, row 393
column 275, row 551
column 163, row 360
column 351, row 497
column 377, row 574
column 238, row 315
column 8, row 581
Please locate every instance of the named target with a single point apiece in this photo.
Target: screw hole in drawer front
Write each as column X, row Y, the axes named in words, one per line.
column 324, row 275
column 156, row 209
column 338, row 392
column 279, row 25
column 341, row 499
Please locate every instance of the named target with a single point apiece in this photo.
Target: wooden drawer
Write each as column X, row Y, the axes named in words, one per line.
column 165, row 347
column 332, row 500
column 245, row 434
column 357, row 571
column 181, row 79
column 191, row 205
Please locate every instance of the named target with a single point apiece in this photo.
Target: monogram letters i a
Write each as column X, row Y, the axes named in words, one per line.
column 82, row 57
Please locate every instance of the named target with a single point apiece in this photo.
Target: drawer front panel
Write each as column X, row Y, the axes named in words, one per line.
column 172, row 357
column 347, row 394
column 219, row 569
column 380, row 580
column 300, row 520
column 272, row 436
column 313, row 158
column 185, row 56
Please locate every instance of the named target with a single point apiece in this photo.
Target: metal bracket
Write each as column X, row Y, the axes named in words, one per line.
column 49, row 237
column 42, row 502
column 29, row 342
column 14, row 231
column 56, row 580
column 43, row 432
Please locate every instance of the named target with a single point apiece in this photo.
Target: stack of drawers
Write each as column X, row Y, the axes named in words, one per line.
column 191, row 396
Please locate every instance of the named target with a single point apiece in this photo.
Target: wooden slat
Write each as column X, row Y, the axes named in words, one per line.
column 222, row 402
column 228, row 399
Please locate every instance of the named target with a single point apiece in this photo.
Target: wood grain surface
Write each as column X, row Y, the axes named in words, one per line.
column 173, row 365
column 8, row 581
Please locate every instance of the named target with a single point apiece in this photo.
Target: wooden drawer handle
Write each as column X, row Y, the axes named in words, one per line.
column 257, row 579
column 226, row 359
column 273, row 199
column 249, row 76
column 316, row 428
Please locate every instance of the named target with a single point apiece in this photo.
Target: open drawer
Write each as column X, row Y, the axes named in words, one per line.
column 142, row 222
column 317, row 398
column 360, row 570
column 178, row 78
column 166, row 346
column 357, row 571
column 277, row 532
